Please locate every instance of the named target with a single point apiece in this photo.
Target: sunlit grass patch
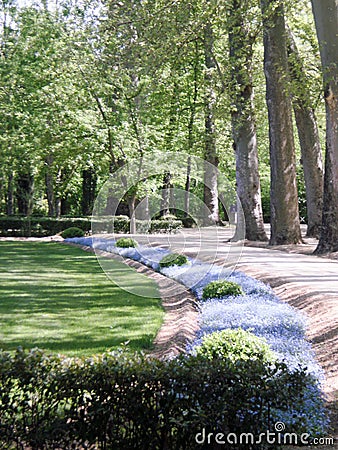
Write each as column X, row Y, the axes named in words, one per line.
column 57, row 298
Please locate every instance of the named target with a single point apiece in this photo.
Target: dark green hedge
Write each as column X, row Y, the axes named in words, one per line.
column 40, row 226
column 49, row 226
column 121, row 224
column 119, row 401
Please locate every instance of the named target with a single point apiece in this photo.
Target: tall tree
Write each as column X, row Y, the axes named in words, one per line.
column 307, row 128
column 210, row 153
column 326, row 19
column 241, row 40
column 285, row 224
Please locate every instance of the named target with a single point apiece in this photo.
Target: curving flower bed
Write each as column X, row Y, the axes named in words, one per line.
column 258, row 310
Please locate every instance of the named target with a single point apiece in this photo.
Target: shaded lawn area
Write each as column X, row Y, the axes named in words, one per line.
column 57, row 298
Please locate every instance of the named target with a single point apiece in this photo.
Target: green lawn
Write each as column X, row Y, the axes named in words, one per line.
column 57, row 298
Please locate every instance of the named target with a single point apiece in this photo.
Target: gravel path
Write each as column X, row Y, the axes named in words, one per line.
column 309, row 283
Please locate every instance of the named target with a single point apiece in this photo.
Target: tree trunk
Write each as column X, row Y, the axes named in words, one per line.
column 309, row 141
column 49, row 181
column 58, row 191
column 243, row 124
column 285, row 224
column 65, row 206
column 10, row 195
column 58, row 202
column 326, row 19
column 187, row 189
column 210, row 152
column 131, row 199
column 2, row 194
column 24, row 193
column 165, row 202
column 191, row 123
column 89, row 180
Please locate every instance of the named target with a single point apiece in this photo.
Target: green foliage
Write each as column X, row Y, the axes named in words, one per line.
column 165, row 226
column 72, row 232
column 49, row 226
column 125, row 401
column 234, row 345
column 173, row 259
column 168, row 217
column 40, row 226
column 69, row 106
column 221, row 288
column 126, row 242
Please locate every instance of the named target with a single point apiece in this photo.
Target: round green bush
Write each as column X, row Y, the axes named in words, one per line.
column 126, row 242
column 234, row 345
column 173, row 259
column 221, row 288
column 72, row 232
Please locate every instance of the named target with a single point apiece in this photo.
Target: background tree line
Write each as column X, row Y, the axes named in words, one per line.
column 86, row 86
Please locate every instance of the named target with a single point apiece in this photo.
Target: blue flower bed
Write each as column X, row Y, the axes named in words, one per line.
column 259, row 310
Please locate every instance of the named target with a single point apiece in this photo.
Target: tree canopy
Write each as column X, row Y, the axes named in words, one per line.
column 87, row 86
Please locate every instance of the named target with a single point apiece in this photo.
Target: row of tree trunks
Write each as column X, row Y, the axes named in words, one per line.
column 285, row 223
column 18, row 190
column 243, row 123
column 311, row 152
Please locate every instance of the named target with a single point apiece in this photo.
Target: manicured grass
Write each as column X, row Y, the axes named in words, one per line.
column 57, row 298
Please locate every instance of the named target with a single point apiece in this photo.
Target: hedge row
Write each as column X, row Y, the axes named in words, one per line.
column 49, row 226
column 121, row 224
column 120, row 401
column 40, row 226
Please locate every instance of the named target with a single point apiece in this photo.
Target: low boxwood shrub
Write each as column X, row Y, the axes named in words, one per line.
column 234, row 344
column 72, row 232
column 124, row 401
column 221, row 288
column 173, row 259
column 126, row 243
column 165, row 226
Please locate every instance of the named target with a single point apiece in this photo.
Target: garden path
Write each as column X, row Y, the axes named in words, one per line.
column 307, row 282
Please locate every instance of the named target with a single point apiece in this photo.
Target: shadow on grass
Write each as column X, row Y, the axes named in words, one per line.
column 57, row 298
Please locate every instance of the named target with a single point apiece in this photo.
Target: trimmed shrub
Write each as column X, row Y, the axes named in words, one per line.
column 121, row 401
column 126, row 243
column 165, row 226
column 40, row 226
column 48, row 226
column 173, row 259
column 168, row 217
column 72, row 232
column 221, row 288
column 234, row 345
